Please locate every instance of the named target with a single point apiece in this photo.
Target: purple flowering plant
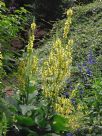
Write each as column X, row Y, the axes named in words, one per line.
column 85, row 79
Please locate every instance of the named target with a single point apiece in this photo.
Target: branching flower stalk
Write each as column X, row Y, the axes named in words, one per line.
column 56, row 69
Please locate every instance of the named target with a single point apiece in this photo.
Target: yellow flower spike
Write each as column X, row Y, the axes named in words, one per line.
column 63, row 100
column 31, row 39
column 68, row 23
column 28, row 66
column 69, row 12
column 34, row 64
column 58, row 43
column 55, row 70
column 33, row 26
column 80, row 107
column 62, row 110
column 1, row 57
column 68, row 111
column 70, row 42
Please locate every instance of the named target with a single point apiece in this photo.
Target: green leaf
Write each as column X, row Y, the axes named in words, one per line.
column 59, row 123
column 31, row 88
column 33, row 134
column 40, row 121
column 40, row 117
column 26, row 121
column 26, row 108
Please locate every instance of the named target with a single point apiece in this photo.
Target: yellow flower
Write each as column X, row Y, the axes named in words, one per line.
column 70, row 42
column 28, row 66
column 33, row 26
column 55, row 70
column 1, row 57
column 34, row 64
column 68, row 23
column 69, row 12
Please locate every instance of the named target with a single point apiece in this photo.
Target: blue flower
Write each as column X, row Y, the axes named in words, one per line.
column 85, row 78
column 73, row 100
column 88, row 72
column 84, row 64
column 91, row 59
column 71, row 88
column 81, row 92
column 69, row 134
column 80, row 68
column 66, row 94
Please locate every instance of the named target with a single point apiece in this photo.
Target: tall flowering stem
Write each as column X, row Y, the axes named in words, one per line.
column 28, row 64
column 68, row 23
column 56, row 69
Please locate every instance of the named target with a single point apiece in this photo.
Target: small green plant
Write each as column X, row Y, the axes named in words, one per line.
column 11, row 24
column 3, row 125
column 93, row 101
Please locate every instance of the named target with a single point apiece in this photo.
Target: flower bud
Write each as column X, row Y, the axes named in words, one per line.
column 33, row 26
column 69, row 12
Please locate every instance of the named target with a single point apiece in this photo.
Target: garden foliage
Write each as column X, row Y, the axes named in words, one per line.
column 42, row 110
column 12, row 24
column 60, row 93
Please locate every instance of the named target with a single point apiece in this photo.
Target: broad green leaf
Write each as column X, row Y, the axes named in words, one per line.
column 26, row 108
column 40, row 121
column 26, row 121
column 59, row 123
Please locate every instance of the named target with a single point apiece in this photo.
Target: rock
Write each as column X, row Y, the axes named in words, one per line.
column 39, row 33
column 16, row 44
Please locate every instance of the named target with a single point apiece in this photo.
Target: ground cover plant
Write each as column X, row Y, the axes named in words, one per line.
column 56, row 89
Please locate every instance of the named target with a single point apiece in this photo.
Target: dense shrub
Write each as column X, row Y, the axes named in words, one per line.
column 12, row 23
